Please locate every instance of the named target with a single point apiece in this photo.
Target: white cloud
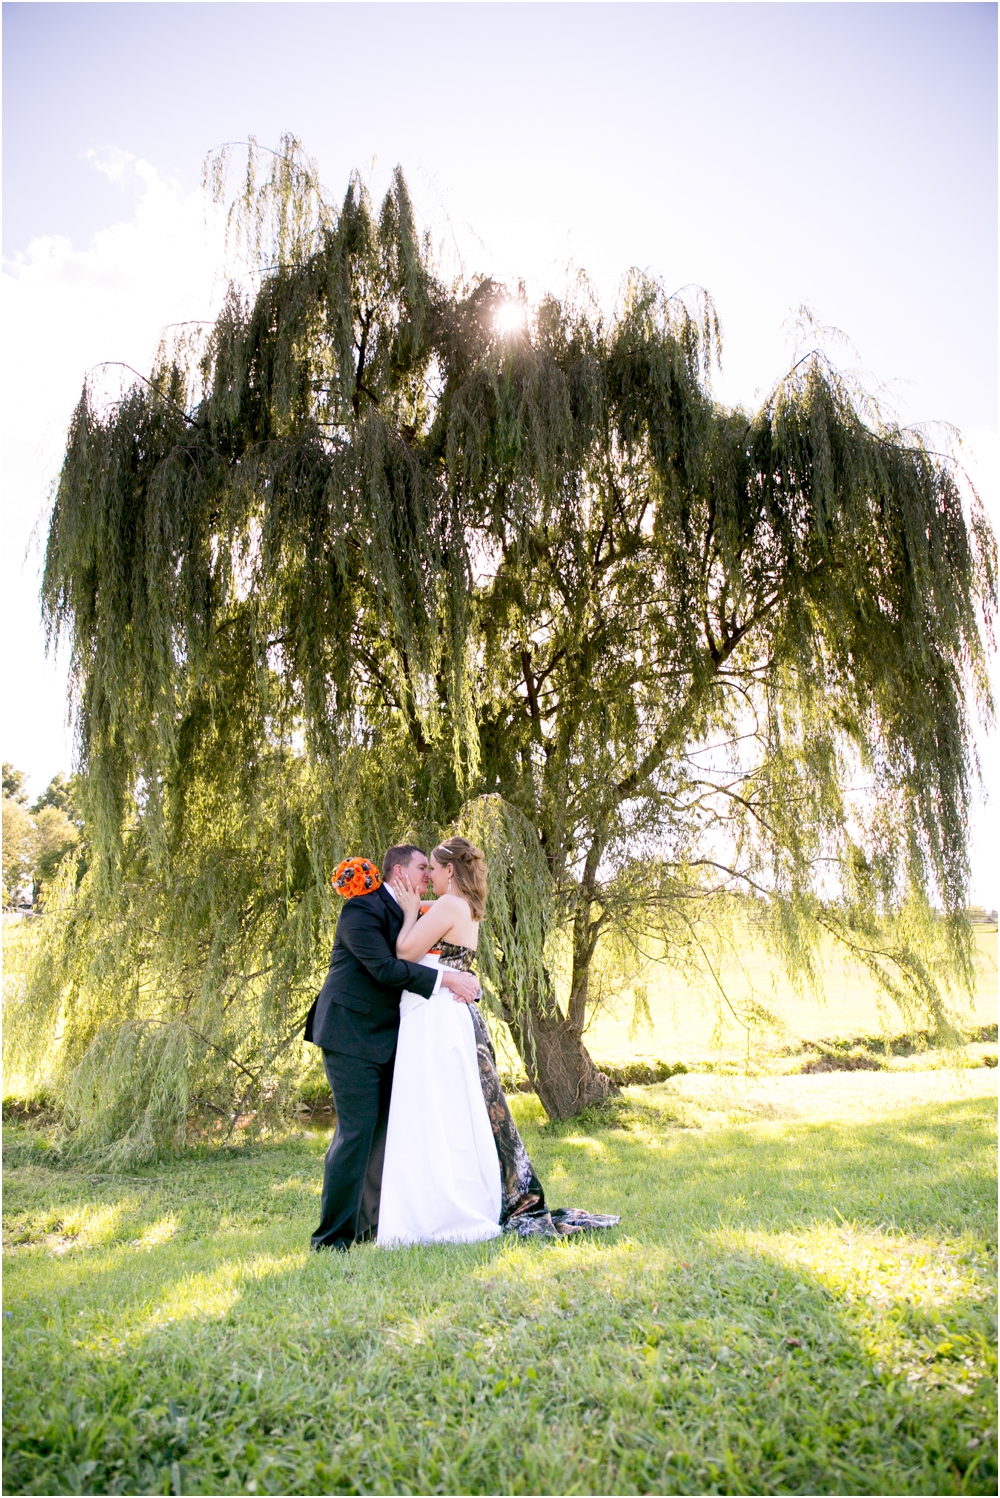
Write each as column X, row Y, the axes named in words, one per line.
column 114, row 164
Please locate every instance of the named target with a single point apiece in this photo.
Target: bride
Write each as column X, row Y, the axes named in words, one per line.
column 456, row 1169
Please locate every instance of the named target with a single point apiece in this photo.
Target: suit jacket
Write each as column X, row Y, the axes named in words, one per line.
column 356, row 1011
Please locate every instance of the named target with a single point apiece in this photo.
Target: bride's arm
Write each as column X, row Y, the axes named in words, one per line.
column 418, row 935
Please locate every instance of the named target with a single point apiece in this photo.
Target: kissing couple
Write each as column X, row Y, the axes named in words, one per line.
column 425, row 1149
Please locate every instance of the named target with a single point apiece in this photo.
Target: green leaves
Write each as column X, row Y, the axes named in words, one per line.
column 521, row 909
column 375, row 562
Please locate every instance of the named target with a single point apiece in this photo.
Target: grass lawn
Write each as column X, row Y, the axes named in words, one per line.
column 799, row 1300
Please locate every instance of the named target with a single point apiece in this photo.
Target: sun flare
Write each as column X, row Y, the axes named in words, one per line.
column 509, row 317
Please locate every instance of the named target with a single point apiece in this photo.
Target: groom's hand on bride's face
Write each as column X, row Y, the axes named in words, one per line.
column 464, row 986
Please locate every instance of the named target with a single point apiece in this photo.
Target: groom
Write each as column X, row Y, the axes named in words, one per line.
column 355, row 1021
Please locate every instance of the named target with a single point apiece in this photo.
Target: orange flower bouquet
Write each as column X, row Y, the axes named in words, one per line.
column 356, row 876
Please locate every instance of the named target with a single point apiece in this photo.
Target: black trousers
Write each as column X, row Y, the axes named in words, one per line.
column 352, row 1174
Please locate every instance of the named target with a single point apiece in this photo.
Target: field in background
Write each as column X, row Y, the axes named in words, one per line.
column 688, row 1025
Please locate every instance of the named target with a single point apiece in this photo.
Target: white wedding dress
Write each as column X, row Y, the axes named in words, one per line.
column 441, row 1179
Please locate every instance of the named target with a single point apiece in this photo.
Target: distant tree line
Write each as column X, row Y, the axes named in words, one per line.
column 36, row 837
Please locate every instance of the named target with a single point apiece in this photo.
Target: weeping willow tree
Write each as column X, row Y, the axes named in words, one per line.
column 392, row 556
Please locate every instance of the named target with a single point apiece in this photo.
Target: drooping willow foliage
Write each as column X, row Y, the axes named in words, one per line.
column 373, row 566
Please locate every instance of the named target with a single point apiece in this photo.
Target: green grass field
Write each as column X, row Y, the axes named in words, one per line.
column 800, row 1299
column 691, row 1025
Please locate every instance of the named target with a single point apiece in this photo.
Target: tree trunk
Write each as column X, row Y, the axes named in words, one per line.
column 555, row 1058
column 549, row 1042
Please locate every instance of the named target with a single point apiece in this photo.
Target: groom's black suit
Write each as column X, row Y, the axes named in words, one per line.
column 355, row 1021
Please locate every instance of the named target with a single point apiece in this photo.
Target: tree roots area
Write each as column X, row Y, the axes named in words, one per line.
column 800, row 1299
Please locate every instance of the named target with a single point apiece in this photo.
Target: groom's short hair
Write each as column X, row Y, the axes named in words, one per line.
column 396, row 856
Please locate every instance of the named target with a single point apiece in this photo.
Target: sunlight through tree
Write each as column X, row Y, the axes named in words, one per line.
column 386, row 556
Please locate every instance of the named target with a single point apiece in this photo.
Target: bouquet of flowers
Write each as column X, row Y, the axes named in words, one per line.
column 356, row 876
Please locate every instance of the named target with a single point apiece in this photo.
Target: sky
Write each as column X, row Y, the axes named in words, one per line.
column 840, row 157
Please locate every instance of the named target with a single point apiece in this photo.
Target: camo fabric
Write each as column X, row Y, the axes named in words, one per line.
column 523, row 1209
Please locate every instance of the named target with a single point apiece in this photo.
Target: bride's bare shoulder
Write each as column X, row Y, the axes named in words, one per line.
column 455, row 904
column 455, row 908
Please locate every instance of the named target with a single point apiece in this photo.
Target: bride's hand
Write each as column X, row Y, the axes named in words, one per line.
column 406, row 895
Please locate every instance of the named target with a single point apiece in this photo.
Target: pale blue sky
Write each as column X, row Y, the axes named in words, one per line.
column 837, row 155
column 841, row 155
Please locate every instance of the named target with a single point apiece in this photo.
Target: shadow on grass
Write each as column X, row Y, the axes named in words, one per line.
column 768, row 1319
column 590, row 1368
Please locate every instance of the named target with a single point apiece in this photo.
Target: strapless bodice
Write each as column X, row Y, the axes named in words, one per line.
column 462, row 959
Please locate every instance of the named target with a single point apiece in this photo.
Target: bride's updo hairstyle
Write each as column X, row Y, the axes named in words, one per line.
column 469, row 864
